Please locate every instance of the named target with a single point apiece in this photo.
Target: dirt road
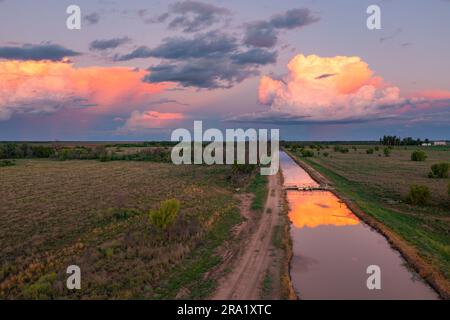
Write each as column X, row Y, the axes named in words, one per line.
column 257, row 254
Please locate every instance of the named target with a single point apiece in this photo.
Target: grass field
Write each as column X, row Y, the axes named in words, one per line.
column 93, row 214
column 379, row 184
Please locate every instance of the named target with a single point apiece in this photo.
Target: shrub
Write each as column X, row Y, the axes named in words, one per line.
column 377, row 148
column 418, row 155
column 418, row 195
column 387, row 152
column 7, row 163
column 369, row 151
column 448, row 189
column 165, row 216
column 307, row 153
column 439, row 170
column 243, row 168
column 42, row 289
column 325, row 154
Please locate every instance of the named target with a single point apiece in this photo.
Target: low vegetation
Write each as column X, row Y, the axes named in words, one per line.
column 418, row 195
column 7, row 163
column 165, row 215
column 418, row 155
column 107, row 217
column 439, row 170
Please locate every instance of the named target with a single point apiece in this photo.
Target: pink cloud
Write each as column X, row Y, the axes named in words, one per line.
column 45, row 87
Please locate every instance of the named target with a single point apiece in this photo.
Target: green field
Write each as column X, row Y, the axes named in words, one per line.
column 379, row 184
column 94, row 214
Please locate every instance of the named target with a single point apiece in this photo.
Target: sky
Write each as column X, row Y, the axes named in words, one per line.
column 137, row 70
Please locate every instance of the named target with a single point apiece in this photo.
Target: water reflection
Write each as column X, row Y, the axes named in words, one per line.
column 313, row 209
column 332, row 249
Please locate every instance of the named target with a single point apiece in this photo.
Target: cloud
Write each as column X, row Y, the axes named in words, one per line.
column 265, row 33
column 99, row 45
column 201, row 73
column 193, row 16
column 189, row 16
column 255, row 56
column 330, row 89
column 212, row 44
column 36, row 87
column 142, row 121
column 92, row 18
column 208, row 60
column 45, row 51
column 260, row 34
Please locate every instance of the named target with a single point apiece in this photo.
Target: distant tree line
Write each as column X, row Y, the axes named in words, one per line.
column 62, row 153
column 398, row 141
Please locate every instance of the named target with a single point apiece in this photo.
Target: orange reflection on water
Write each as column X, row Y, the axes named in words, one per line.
column 313, row 209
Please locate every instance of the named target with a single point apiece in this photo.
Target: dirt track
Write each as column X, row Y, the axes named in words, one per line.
column 245, row 279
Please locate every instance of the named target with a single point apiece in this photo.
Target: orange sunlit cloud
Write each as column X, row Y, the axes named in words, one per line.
column 328, row 89
column 317, row 209
column 46, row 86
column 141, row 121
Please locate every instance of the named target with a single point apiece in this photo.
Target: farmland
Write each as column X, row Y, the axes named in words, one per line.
column 379, row 181
column 94, row 214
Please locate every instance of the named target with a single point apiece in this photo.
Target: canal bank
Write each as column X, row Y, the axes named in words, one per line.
column 351, row 227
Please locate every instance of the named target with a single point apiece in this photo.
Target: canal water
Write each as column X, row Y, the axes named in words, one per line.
column 332, row 249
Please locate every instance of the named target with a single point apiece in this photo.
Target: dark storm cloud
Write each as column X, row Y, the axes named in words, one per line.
column 260, row 34
column 255, row 56
column 211, row 44
column 92, row 18
column 265, row 33
column 214, row 59
column 108, row 43
column 188, row 16
column 201, row 73
column 45, row 51
column 292, row 19
column 193, row 16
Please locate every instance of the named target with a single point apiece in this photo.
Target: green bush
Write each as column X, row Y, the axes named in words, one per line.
column 439, row 170
column 165, row 216
column 7, row 163
column 307, row 153
column 42, row 289
column 369, row 151
column 418, row 195
column 387, row 152
column 448, row 189
column 341, row 149
column 418, row 155
column 326, row 154
column 377, row 148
